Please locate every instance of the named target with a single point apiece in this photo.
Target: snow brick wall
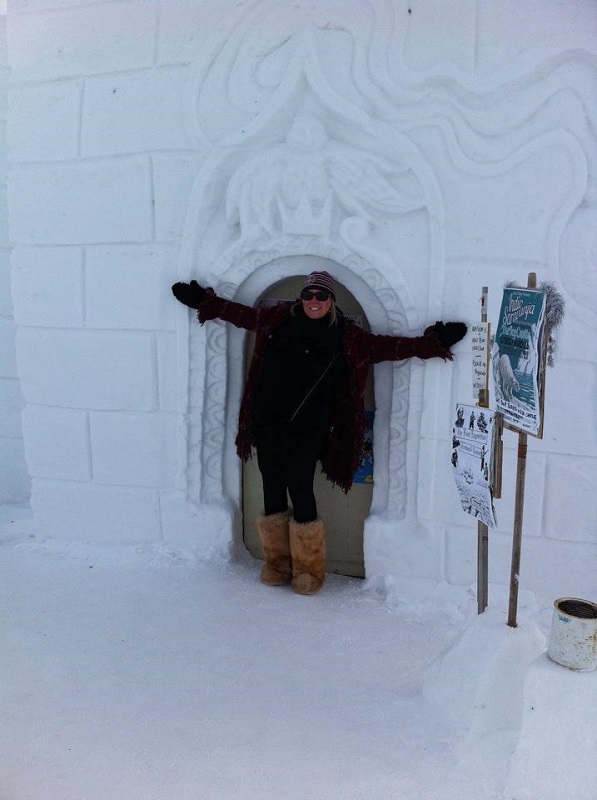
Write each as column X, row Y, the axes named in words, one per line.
column 148, row 142
column 14, row 478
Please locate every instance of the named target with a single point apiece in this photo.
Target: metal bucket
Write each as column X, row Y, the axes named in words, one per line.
column 573, row 640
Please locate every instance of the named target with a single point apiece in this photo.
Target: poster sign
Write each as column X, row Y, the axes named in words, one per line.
column 516, row 359
column 480, row 345
column 473, row 459
column 364, row 471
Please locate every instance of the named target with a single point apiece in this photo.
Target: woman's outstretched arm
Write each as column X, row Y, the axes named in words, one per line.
column 209, row 306
column 435, row 342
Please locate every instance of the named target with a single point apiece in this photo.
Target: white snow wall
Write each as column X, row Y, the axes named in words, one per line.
column 14, row 480
column 460, row 137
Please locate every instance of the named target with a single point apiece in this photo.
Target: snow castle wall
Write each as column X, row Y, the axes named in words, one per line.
column 14, row 478
column 441, row 147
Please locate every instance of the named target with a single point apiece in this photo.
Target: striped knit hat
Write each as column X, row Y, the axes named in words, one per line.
column 321, row 280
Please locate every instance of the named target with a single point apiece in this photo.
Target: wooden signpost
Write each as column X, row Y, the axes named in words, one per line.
column 518, row 360
column 523, row 326
column 482, row 529
column 521, row 465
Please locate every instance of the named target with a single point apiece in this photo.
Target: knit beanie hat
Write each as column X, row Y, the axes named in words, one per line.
column 321, row 280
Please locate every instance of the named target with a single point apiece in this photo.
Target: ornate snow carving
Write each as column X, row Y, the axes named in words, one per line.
column 310, row 183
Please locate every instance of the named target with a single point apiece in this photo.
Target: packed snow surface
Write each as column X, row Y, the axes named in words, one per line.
column 144, row 672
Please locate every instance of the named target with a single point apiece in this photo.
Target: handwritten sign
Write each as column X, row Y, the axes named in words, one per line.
column 480, row 344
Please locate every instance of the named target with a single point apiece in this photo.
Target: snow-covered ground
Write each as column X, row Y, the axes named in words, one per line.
column 142, row 672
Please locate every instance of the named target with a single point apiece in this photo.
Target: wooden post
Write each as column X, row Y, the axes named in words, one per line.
column 482, row 566
column 482, row 530
column 521, row 466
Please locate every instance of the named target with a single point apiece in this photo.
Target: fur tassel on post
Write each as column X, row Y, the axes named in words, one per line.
column 307, row 546
column 273, row 535
column 555, row 306
column 554, row 316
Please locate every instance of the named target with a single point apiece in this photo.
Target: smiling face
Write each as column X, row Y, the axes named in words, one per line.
column 316, row 309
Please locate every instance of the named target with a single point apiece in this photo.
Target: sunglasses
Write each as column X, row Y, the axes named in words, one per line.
column 318, row 294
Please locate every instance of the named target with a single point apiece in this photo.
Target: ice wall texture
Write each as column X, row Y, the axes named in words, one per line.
column 139, row 136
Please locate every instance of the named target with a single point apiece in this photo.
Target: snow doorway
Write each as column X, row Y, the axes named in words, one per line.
column 215, row 355
column 344, row 514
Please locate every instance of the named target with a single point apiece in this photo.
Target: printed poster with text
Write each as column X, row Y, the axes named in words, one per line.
column 473, row 459
column 516, row 359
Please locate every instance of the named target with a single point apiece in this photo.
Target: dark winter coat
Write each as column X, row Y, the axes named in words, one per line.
column 360, row 349
column 302, row 363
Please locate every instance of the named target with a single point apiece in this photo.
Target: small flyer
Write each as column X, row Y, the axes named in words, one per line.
column 473, row 443
column 516, row 359
column 480, row 347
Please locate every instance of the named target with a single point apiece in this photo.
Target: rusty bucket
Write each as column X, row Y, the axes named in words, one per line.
column 573, row 640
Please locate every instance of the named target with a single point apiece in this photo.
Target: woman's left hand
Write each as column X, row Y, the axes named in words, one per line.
column 448, row 333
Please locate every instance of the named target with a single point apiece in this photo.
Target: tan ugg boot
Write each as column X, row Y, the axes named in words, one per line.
column 307, row 548
column 273, row 535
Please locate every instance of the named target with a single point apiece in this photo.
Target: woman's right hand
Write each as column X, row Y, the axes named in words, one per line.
column 190, row 294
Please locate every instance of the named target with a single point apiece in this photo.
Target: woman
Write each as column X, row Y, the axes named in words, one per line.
column 303, row 402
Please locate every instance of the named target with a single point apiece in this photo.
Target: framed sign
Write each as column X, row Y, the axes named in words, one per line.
column 518, row 360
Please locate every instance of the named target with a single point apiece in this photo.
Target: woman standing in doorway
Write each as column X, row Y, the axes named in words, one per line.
column 303, row 402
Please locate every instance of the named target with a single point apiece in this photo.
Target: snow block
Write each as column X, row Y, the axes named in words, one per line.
column 3, row 215
column 548, row 762
column 47, row 286
column 557, row 568
column 134, row 449
column 167, row 387
column 413, row 550
column 8, row 364
column 579, row 328
column 4, row 84
column 188, row 30
column 83, row 40
column 44, row 121
column 207, row 528
column 11, row 406
column 129, row 287
column 565, row 431
column 87, row 512
column 173, row 178
column 3, row 119
column 6, row 307
column 14, row 478
column 101, row 201
column 575, row 479
column 3, row 48
column 134, row 113
column 57, row 443
column 87, row 369
column 460, row 563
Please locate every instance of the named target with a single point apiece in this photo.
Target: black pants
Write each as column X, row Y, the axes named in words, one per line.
column 287, row 465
